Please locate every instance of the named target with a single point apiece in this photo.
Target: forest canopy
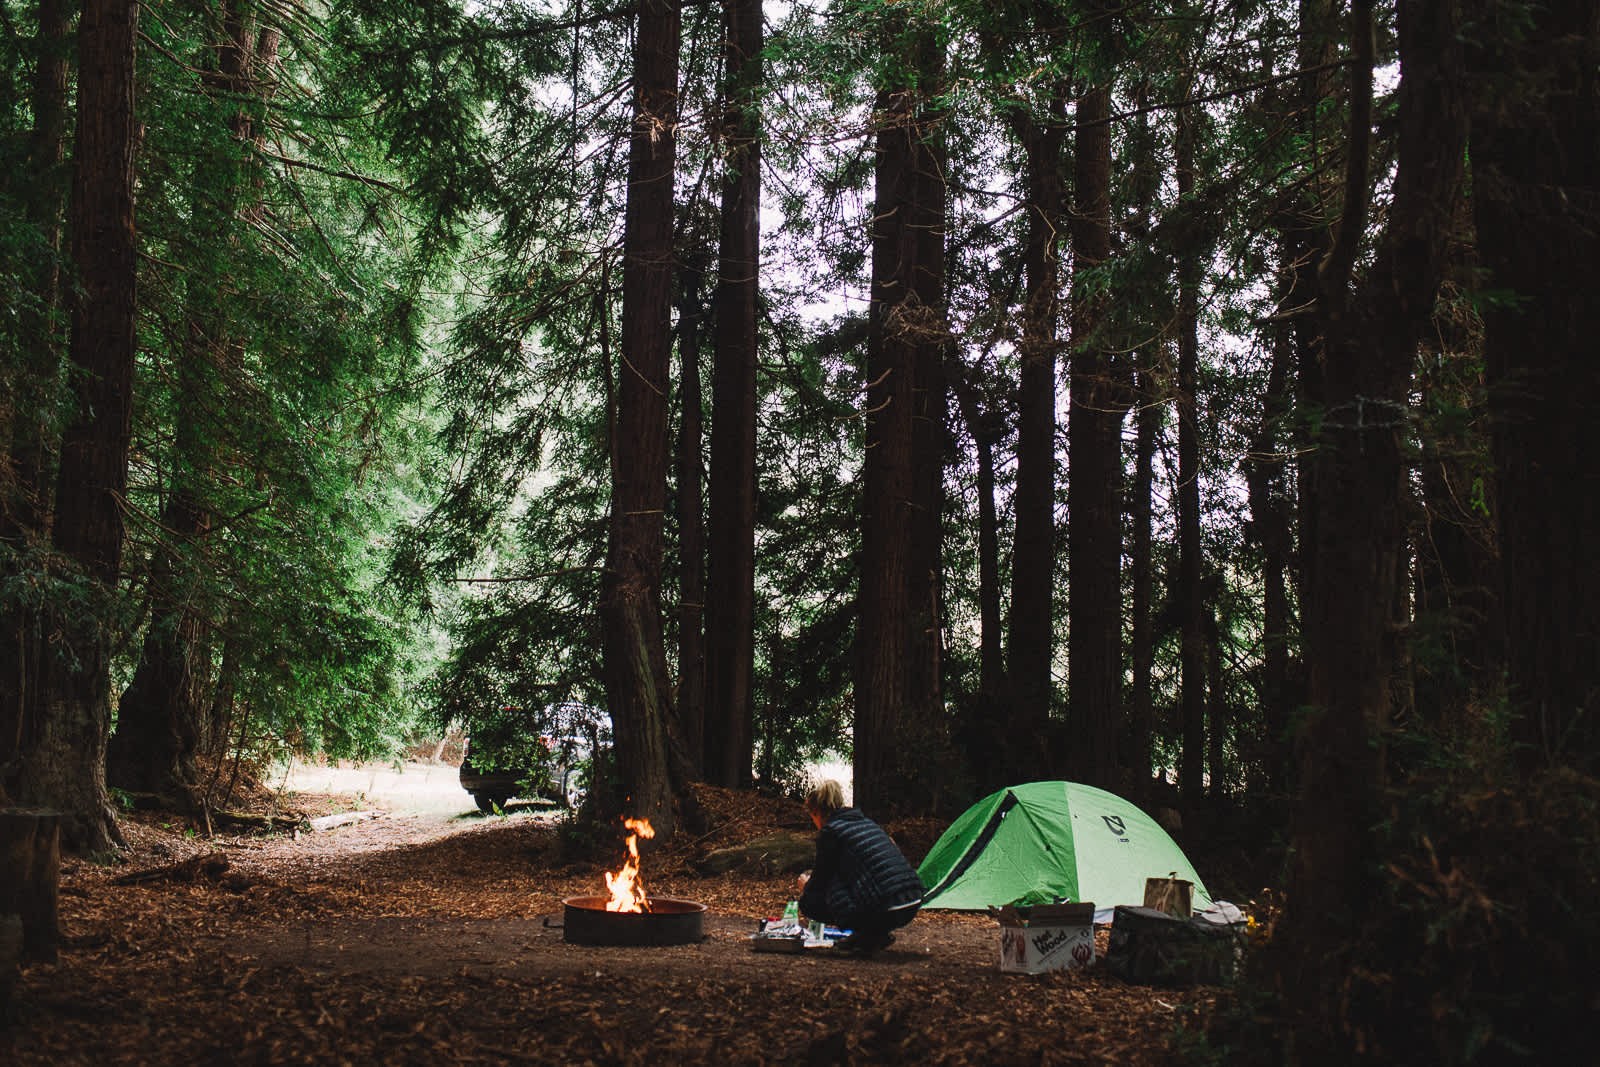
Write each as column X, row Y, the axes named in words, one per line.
column 1187, row 399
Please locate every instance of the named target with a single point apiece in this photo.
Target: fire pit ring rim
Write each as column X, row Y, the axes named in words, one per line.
column 597, row 902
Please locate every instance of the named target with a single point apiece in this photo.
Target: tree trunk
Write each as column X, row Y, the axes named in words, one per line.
column 691, row 523
column 30, row 386
column 1033, row 555
column 1457, row 660
column 64, row 758
column 1216, row 700
column 1094, row 441
column 982, row 725
column 159, row 714
column 1371, row 338
column 1270, row 528
column 730, row 652
column 638, row 690
column 905, row 331
column 1308, row 234
column 1141, row 705
column 924, row 732
column 1192, row 646
column 1536, row 168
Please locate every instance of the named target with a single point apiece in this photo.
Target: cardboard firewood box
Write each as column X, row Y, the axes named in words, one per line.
column 1045, row 937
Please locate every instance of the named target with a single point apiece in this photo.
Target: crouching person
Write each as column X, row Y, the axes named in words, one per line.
column 861, row 880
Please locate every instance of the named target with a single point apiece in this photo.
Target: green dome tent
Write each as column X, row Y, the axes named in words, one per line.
column 1047, row 841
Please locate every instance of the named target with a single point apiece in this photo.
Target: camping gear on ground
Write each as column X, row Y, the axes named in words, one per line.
column 1045, row 937
column 1150, row 947
column 1175, row 896
column 1046, row 842
column 789, row 934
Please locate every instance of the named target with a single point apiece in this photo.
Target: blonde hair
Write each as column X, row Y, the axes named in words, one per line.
column 825, row 798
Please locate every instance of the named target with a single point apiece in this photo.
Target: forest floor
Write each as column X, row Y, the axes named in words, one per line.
column 433, row 936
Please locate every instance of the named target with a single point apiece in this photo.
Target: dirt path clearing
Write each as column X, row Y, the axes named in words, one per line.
column 435, row 939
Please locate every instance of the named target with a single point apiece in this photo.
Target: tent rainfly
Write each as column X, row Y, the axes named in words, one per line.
column 1047, row 841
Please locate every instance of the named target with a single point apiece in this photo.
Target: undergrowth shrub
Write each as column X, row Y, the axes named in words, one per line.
column 1482, row 951
column 1478, row 947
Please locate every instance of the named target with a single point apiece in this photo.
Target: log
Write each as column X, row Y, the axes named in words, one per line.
column 780, row 853
column 328, row 822
column 30, row 878
column 264, row 823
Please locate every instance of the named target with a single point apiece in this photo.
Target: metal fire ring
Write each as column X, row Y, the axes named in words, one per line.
column 669, row 921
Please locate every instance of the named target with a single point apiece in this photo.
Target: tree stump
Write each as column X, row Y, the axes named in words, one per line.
column 1151, row 947
column 30, row 878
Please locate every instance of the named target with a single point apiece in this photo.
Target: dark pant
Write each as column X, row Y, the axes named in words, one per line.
column 875, row 925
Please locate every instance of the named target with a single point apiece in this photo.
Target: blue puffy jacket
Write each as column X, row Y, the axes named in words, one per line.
column 860, row 875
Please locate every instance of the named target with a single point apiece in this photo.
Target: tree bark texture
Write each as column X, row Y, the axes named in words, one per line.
column 898, row 616
column 924, row 736
column 64, row 758
column 1134, row 748
column 730, row 651
column 980, row 729
column 24, row 509
column 1371, row 337
column 638, row 688
column 1457, row 657
column 1094, row 482
column 1536, row 190
column 29, row 387
column 1192, row 645
column 1033, row 554
column 1270, row 528
column 1308, row 233
column 1142, row 653
column 691, row 519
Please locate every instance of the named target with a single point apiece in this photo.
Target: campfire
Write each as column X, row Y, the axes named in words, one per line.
column 629, row 916
column 627, row 888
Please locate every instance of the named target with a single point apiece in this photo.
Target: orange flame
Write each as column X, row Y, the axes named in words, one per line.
column 627, row 891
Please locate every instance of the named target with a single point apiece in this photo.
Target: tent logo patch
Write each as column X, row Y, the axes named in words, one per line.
column 1115, row 824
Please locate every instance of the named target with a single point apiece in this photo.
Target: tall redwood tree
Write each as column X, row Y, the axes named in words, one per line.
column 1536, row 196
column 1370, row 331
column 730, row 606
column 24, row 449
column 897, row 669
column 64, row 746
column 1094, row 478
column 638, row 685
column 1031, row 650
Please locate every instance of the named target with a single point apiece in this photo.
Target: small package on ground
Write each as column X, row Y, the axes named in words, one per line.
column 1175, row 896
column 1045, row 937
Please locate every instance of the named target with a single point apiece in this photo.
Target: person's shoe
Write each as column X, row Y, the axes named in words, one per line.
column 863, row 943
